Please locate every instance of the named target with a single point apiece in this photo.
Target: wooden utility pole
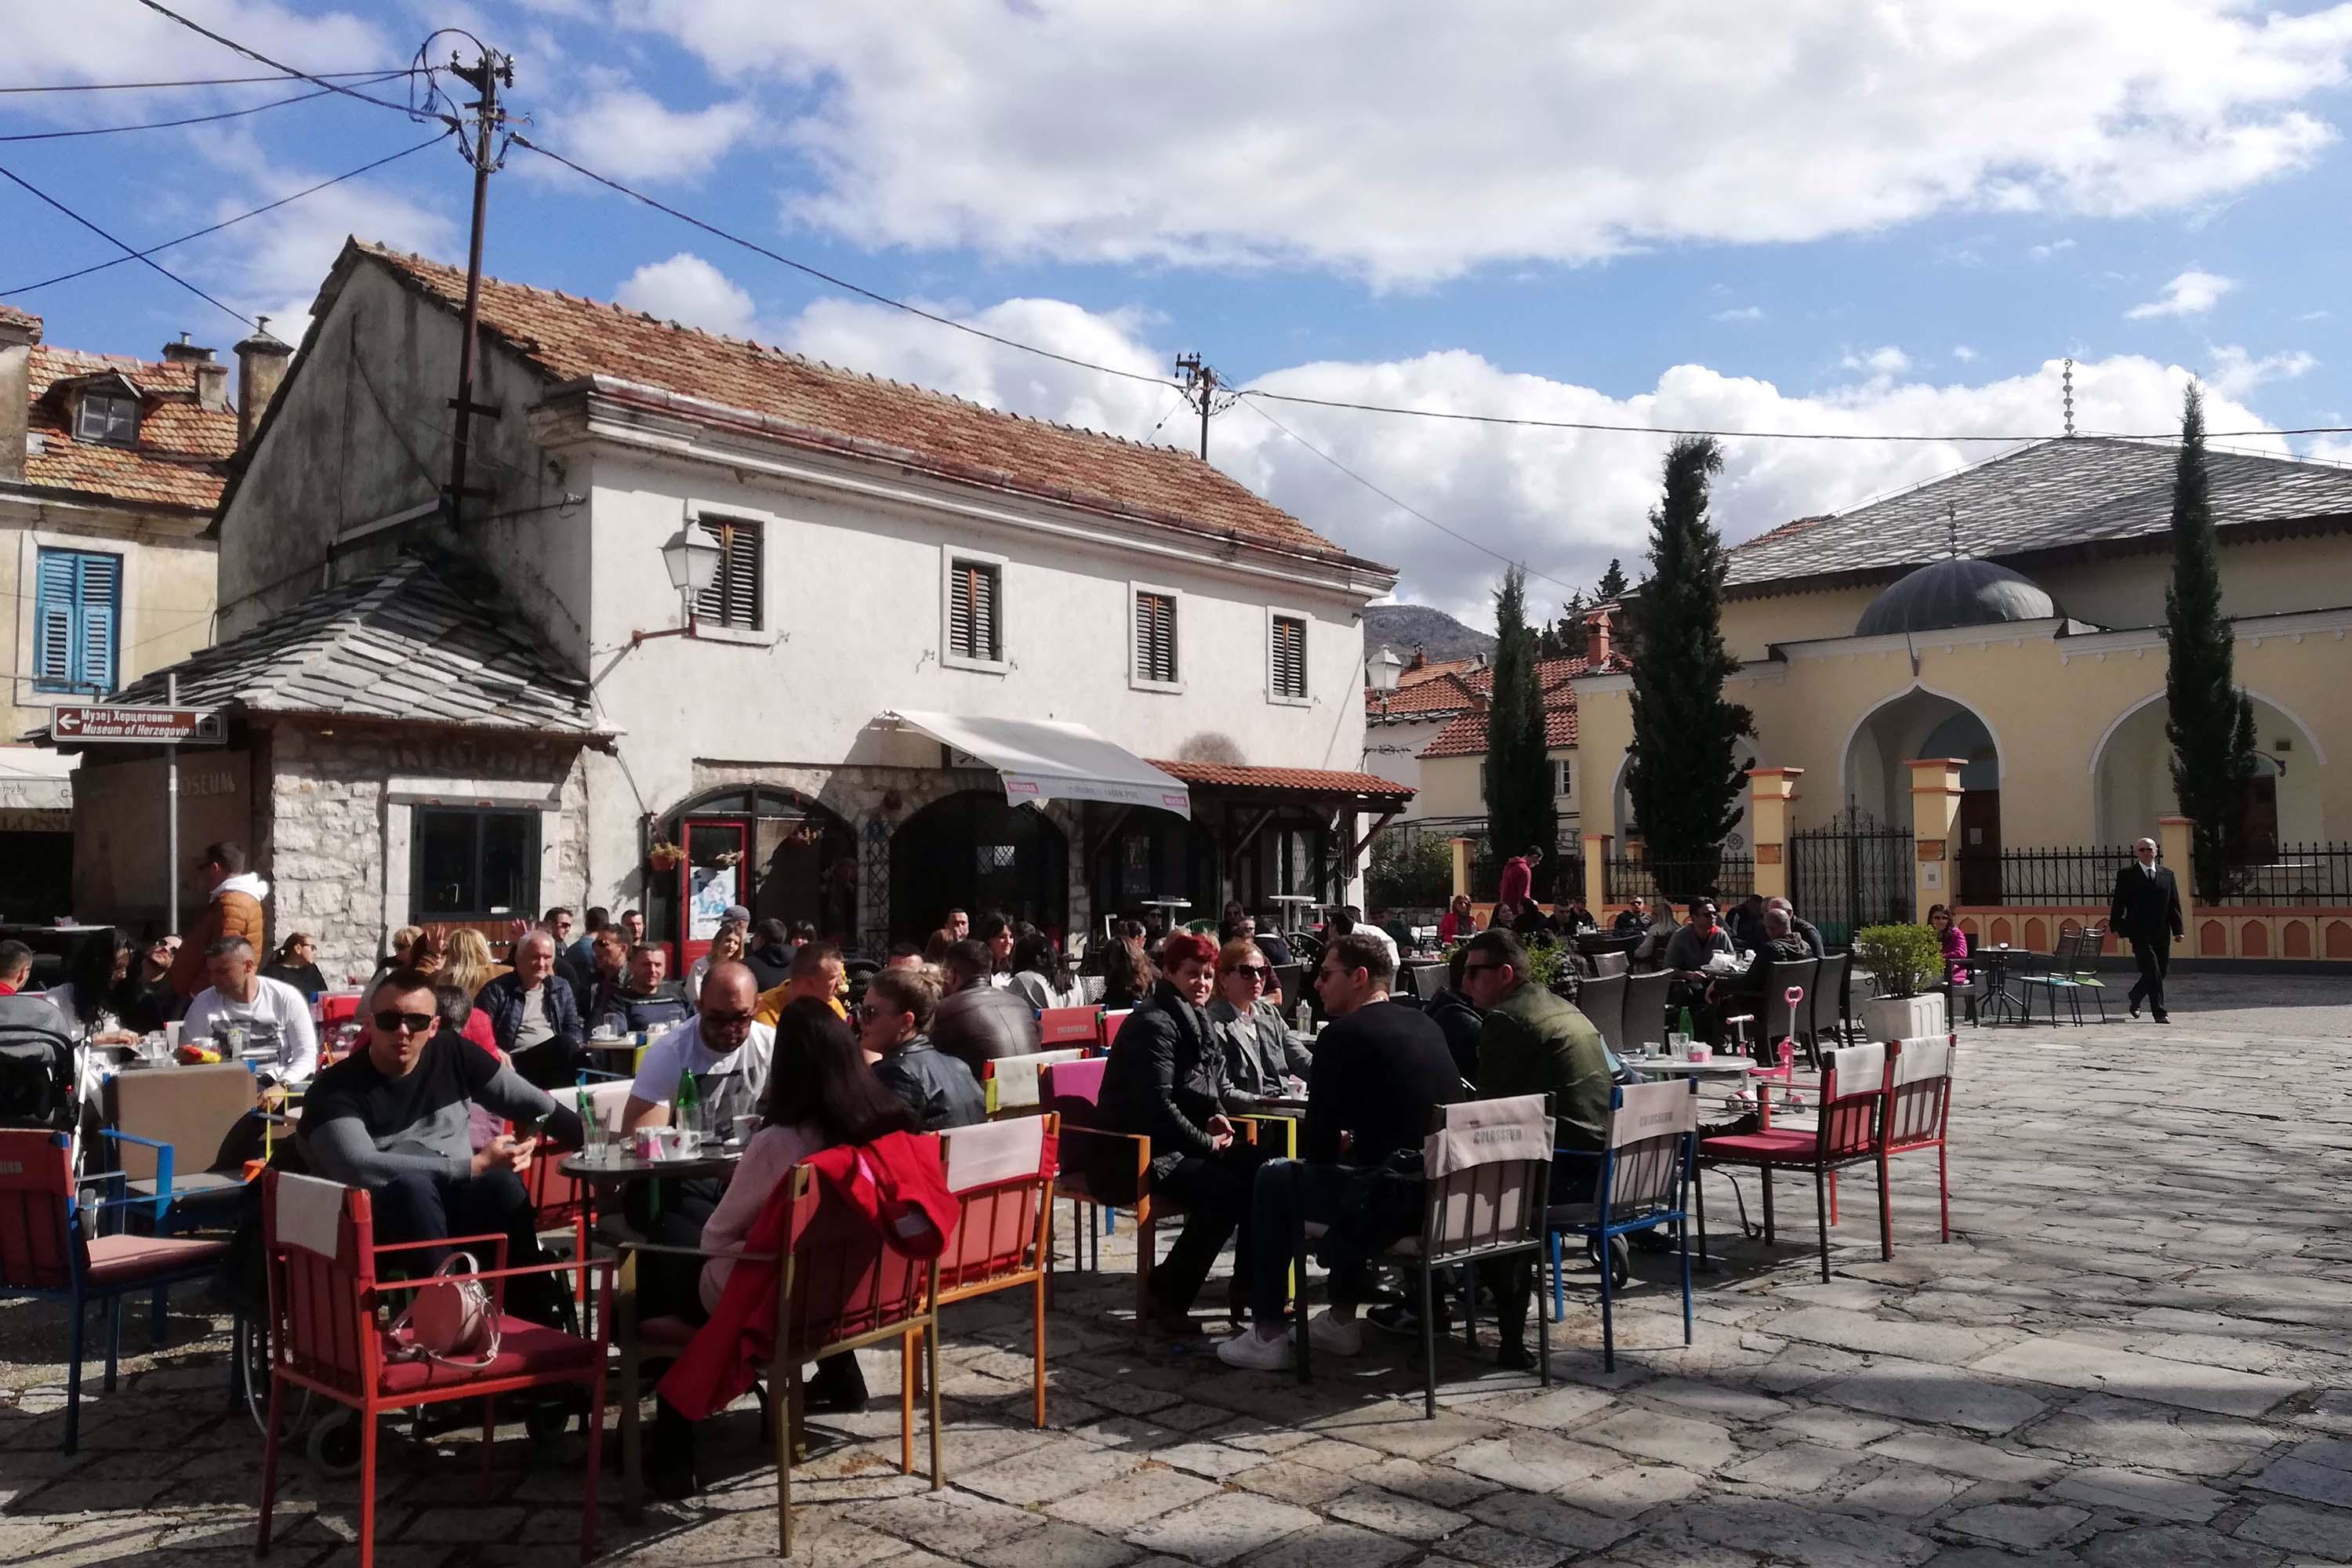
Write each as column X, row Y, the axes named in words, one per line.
column 489, row 71
column 1199, row 390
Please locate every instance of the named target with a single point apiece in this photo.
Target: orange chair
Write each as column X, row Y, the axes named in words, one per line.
column 1001, row 1173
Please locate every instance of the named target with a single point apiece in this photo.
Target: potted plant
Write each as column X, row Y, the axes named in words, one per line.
column 665, row 856
column 1907, row 962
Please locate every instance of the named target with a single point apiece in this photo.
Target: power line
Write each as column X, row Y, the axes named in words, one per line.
column 226, row 222
column 202, row 81
column 259, row 58
column 191, row 120
column 1406, row 507
column 842, row 283
column 129, row 253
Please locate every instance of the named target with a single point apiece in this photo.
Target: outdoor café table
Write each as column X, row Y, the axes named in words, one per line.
column 1997, row 963
column 1713, row 1068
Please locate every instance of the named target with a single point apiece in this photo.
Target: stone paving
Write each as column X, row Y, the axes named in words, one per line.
column 2137, row 1349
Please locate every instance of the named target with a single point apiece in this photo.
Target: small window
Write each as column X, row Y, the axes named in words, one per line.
column 77, row 606
column 975, row 627
column 1155, row 637
column 733, row 597
column 1286, row 658
column 106, row 416
column 466, row 863
column 1560, row 778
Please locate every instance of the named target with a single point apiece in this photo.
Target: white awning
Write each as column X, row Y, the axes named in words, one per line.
column 1040, row 761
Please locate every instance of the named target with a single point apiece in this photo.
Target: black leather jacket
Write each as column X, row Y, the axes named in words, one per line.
column 1460, row 1023
column 1166, row 1077
column 940, row 1089
column 981, row 1023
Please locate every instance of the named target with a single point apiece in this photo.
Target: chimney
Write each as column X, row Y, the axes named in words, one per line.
column 1596, row 640
column 19, row 333
column 211, row 378
column 1418, row 658
column 260, row 366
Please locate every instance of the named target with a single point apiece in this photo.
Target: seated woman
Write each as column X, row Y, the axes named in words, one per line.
column 1955, row 942
column 820, row 1094
column 1459, row 922
column 1258, row 1045
column 297, row 964
column 894, row 1023
column 1128, row 972
column 1041, row 976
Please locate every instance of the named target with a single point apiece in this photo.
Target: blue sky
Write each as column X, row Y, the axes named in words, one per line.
column 1817, row 215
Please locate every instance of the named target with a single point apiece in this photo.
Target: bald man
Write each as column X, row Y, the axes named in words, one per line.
column 723, row 1046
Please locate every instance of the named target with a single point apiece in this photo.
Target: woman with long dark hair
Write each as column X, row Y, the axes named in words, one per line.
column 1041, row 976
column 1127, row 971
column 98, row 991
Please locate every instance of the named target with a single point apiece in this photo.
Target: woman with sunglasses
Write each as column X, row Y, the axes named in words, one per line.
column 894, row 1023
column 1259, row 1047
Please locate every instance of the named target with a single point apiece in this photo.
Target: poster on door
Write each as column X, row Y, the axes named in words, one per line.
column 710, row 891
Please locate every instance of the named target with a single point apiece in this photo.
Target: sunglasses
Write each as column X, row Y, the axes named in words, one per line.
column 1254, row 970
column 405, row 1023
column 726, row 1020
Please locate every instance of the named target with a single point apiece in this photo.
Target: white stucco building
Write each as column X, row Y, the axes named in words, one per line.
column 898, row 570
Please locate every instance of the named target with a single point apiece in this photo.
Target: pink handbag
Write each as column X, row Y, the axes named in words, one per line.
column 448, row 1322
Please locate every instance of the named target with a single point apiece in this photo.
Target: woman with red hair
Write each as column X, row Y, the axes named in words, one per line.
column 1166, row 1080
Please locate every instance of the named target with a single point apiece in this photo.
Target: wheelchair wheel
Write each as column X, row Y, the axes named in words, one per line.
column 1620, row 1261
column 251, row 1349
column 333, row 1448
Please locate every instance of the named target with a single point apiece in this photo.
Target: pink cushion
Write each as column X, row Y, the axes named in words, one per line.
column 525, row 1349
column 1794, row 1146
column 119, row 1260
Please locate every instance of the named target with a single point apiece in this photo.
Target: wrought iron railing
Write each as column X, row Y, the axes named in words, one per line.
column 2293, row 874
column 2065, row 874
column 1727, row 876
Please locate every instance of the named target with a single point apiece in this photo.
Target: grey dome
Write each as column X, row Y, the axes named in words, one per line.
column 1960, row 593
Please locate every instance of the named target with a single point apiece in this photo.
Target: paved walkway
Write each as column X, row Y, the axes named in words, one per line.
column 2136, row 1350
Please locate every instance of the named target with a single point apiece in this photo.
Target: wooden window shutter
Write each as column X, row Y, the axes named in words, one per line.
column 974, row 628
column 101, row 582
column 733, row 597
column 1288, row 657
column 1155, row 636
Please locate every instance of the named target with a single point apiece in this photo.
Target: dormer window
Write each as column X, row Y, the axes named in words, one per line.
column 109, row 417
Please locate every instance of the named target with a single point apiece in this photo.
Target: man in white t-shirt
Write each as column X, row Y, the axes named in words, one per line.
column 272, row 1015
column 725, row 1049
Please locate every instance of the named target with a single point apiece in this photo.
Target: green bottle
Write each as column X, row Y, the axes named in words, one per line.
column 1688, row 1032
column 688, row 1112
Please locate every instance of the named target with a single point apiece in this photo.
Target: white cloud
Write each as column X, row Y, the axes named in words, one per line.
column 2193, row 293
column 1407, row 144
column 631, row 135
column 1887, row 361
column 688, row 290
column 2044, row 252
column 1965, row 354
column 2236, row 372
column 1743, row 313
column 48, row 45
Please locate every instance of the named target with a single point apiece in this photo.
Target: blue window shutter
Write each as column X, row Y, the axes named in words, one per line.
column 57, row 592
column 101, row 594
column 76, row 618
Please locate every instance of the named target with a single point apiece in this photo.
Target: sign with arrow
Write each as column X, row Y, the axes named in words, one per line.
column 81, row 722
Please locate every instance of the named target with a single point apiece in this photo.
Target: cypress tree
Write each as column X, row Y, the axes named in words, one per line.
column 1686, row 777
column 2209, row 721
column 1520, row 813
column 1612, row 582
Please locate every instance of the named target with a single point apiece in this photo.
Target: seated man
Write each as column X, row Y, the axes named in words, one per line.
column 648, row 1001
column 392, row 1118
column 1534, row 1043
column 1380, row 1069
column 269, row 1015
column 1743, row 992
column 1803, row 930
column 1633, row 920
column 977, row 1021
column 533, row 1016
column 1689, row 953
column 814, row 972
column 607, row 974
column 724, row 1047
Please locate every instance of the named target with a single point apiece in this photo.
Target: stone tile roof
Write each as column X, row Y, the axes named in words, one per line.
column 2052, row 494
column 14, row 317
column 1300, row 782
column 400, row 644
column 570, row 339
column 175, row 461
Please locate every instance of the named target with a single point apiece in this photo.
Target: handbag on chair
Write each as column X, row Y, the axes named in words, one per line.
column 448, row 1322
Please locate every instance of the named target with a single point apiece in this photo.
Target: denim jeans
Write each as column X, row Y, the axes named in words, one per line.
column 1289, row 1194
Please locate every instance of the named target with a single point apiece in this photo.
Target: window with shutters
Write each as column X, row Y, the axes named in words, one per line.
column 107, row 418
column 76, row 610
column 1285, row 656
column 733, row 597
column 1155, row 664
column 975, row 629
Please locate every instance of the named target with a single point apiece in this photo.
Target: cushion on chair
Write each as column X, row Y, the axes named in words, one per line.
column 189, row 1186
column 524, row 1348
column 116, row 1261
column 1778, row 1146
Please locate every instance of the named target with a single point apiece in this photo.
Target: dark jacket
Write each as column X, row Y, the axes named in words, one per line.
column 1628, row 923
column 1382, row 1068
column 1749, row 981
column 769, row 965
column 501, row 998
column 2146, row 906
column 1809, row 934
column 1258, row 1047
column 940, row 1089
column 1534, row 1043
column 303, row 977
column 1459, row 1023
column 981, row 1023
column 1166, row 1077
column 628, row 1012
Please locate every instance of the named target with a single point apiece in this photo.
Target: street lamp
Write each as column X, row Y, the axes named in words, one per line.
column 691, row 558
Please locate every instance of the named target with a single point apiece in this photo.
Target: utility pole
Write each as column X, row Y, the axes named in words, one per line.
column 489, row 71
column 1199, row 390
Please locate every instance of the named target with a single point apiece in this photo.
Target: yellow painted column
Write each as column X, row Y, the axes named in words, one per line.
column 2173, row 847
column 1596, row 871
column 1460, row 865
column 1770, row 792
column 1934, row 811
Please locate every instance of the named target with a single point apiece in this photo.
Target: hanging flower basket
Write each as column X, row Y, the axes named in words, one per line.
column 729, row 861
column 665, row 856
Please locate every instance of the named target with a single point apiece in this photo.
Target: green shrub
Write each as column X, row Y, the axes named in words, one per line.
column 1420, row 876
column 1907, row 959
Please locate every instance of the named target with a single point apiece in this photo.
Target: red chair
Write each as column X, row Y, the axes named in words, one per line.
column 334, row 1007
column 1851, row 1131
column 1001, row 1173
column 1110, row 1022
column 46, row 1251
column 326, row 1338
column 1919, row 1110
column 1060, row 1026
column 558, row 1202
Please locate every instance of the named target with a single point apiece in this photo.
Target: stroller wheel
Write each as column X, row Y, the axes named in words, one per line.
column 1620, row 1261
column 334, row 1446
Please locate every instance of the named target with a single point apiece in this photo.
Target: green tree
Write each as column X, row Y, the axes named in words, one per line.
column 1519, row 810
column 2209, row 720
column 1686, row 776
column 1612, row 582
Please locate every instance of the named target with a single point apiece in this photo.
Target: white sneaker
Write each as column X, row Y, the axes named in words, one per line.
column 1328, row 1333
column 1247, row 1351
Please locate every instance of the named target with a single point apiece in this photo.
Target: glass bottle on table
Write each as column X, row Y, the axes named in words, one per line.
column 687, row 1110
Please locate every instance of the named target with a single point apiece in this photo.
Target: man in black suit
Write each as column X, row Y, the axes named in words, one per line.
column 2145, row 910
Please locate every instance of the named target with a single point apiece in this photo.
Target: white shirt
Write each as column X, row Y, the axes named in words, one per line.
column 730, row 1085
column 278, row 1019
column 1366, row 928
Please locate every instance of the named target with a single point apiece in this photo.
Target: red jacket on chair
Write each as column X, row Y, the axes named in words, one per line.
column 897, row 1184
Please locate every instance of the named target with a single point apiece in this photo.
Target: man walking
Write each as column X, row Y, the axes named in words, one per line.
column 233, row 908
column 2145, row 910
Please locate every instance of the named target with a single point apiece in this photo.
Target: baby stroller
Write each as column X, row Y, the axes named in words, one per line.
column 38, row 1084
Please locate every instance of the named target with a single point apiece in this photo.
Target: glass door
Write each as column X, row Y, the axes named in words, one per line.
column 715, row 874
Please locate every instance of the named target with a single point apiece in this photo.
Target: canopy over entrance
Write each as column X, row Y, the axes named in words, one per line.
column 1041, row 760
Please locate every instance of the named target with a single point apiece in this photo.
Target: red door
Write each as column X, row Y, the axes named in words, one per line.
column 716, row 872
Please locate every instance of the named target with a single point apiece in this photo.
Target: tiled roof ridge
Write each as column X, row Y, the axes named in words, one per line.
column 102, row 359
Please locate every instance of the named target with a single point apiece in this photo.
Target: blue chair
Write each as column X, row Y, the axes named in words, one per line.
column 1641, row 1183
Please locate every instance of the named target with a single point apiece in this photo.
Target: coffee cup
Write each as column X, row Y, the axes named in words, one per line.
column 171, row 1035
column 744, row 1127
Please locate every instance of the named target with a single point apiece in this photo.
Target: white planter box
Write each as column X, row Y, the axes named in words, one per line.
column 1903, row 1017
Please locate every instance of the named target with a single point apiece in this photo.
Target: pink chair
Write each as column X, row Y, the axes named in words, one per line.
column 1850, row 1130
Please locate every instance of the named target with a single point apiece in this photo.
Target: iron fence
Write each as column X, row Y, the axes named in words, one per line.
column 1561, row 875
column 2065, row 874
column 2293, row 874
column 1852, row 871
column 1727, row 876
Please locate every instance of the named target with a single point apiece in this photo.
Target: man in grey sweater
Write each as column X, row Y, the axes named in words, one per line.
column 391, row 1116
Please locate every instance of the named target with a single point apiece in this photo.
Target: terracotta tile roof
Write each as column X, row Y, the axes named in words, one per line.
column 175, row 462
column 13, row 317
column 1289, row 781
column 2089, row 490
column 1448, row 694
column 1437, row 668
column 570, row 339
column 1466, row 736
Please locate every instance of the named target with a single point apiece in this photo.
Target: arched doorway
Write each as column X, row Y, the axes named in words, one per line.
column 2131, row 778
column 1155, row 855
column 1923, row 723
column 773, row 850
column 975, row 852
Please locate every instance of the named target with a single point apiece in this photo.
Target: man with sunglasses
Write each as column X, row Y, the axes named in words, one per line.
column 392, row 1118
column 724, row 1047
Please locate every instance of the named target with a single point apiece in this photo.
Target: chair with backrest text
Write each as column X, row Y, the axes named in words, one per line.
column 1061, row 1027
column 1603, row 1002
column 48, row 1250
column 1920, row 1110
column 1011, row 1085
column 328, row 1337
column 1001, row 1174
column 1642, row 1177
column 1850, row 1130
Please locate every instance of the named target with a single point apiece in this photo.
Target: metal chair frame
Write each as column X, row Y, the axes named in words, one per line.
column 1651, row 1176
column 1851, row 1130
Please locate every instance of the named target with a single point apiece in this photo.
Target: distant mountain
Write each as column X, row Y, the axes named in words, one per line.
column 1437, row 634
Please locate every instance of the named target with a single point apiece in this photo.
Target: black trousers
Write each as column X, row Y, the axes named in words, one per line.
column 1215, row 1193
column 2154, row 958
column 413, row 1206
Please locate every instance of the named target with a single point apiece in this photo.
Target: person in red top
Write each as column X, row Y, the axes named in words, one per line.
column 16, row 966
column 1519, row 877
column 1458, row 923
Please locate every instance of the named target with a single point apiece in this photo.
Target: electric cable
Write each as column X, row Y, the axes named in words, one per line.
column 197, row 81
column 129, row 254
column 191, row 120
column 259, row 58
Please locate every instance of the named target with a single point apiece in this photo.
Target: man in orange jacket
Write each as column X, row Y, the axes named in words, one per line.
column 235, row 910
